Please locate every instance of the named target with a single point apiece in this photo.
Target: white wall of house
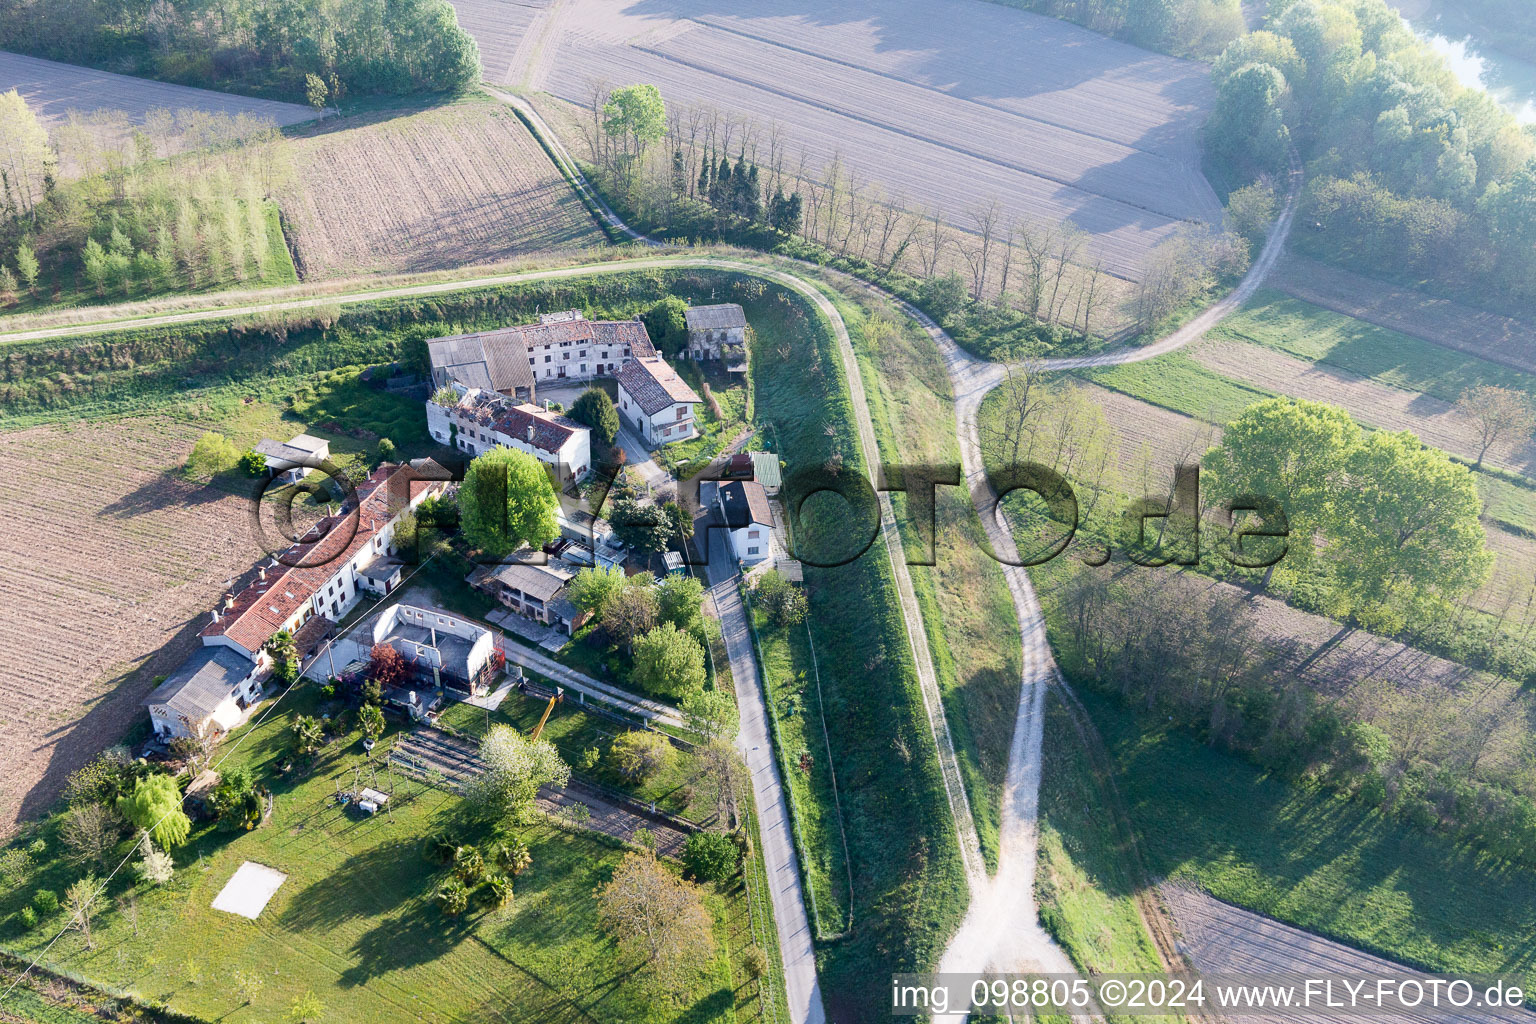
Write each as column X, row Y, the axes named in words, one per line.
column 751, row 542
column 576, row 360
column 675, row 422
column 171, row 725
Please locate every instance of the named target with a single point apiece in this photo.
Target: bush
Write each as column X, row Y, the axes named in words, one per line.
column 640, row 755
column 710, row 856
column 211, row 455
column 46, row 901
column 595, row 409
column 252, row 462
column 452, row 897
column 27, row 918
column 755, row 961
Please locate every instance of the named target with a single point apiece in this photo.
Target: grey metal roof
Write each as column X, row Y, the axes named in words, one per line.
column 725, row 316
column 381, row 570
column 493, row 360
column 541, row 582
column 199, row 684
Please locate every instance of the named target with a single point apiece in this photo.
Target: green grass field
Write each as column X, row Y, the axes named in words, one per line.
column 1314, row 859
column 1177, row 382
column 790, row 677
column 355, row 924
column 1318, row 335
column 1086, row 880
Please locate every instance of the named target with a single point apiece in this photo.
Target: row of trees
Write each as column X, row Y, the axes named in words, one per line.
column 95, row 206
column 992, row 278
column 264, row 47
column 1411, row 174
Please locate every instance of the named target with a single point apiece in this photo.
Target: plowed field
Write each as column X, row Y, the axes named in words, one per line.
column 422, row 191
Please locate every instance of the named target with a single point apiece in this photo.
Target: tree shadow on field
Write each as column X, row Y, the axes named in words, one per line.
column 171, row 490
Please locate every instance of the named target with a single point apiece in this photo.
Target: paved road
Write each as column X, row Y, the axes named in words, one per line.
column 796, row 943
column 638, row 458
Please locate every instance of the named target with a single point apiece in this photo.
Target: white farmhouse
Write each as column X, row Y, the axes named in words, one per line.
column 743, row 507
column 656, row 402
column 313, row 584
column 563, row 346
column 477, row 421
column 206, row 696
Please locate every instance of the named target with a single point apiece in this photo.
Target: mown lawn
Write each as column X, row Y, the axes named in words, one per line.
column 1318, row 335
column 1313, row 859
column 355, row 923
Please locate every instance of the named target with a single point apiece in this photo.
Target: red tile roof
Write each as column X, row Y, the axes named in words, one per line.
column 260, row 609
column 549, row 432
column 654, row 385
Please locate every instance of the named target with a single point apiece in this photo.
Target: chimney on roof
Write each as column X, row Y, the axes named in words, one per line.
column 215, row 615
column 530, row 433
column 262, row 573
column 229, row 600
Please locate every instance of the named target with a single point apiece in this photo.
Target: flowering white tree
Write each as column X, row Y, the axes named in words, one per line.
column 515, row 768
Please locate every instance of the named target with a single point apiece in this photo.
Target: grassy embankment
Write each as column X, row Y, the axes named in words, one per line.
column 909, row 889
column 355, row 923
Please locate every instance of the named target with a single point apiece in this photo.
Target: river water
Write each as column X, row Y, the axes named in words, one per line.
column 1508, row 78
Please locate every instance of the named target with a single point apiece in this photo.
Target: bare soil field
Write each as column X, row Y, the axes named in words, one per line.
column 1058, row 122
column 1378, row 405
column 1222, row 939
column 107, row 565
column 1153, row 440
column 1498, row 338
column 52, row 90
column 402, row 192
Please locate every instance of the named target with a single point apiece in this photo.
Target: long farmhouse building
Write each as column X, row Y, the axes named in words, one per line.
column 487, row 387
column 562, row 346
column 305, row 590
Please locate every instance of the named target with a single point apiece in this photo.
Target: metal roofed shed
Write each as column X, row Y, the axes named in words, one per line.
column 767, row 471
column 725, row 316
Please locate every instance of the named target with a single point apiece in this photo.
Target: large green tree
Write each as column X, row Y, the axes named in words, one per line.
column 515, row 768
column 645, row 527
column 1405, row 533
column 637, row 115
column 155, row 805
column 507, row 500
column 1292, row 451
column 1247, row 124
column 592, row 587
column 669, row 662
